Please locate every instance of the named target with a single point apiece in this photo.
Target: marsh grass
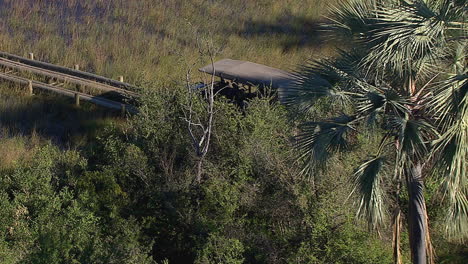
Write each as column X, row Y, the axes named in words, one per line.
column 146, row 41
column 16, row 149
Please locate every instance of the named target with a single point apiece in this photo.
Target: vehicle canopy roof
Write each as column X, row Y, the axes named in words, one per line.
column 249, row 73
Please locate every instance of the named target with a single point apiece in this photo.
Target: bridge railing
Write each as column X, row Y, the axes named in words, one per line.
column 16, row 64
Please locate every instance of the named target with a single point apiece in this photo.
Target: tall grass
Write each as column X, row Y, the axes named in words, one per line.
column 49, row 117
column 145, row 39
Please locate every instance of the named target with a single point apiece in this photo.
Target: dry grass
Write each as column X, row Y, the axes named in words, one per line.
column 15, row 149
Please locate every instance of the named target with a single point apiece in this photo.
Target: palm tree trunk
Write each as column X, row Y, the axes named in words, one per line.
column 396, row 237
column 430, row 249
column 417, row 220
column 397, row 228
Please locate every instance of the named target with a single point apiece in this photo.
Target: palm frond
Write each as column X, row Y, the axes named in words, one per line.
column 452, row 150
column 458, row 58
column 413, row 136
column 408, row 39
column 457, row 218
column 322, row 78
column 371, row 104
column 368, row 186
column 350, row 19
column 450, row 105
column 450, row 100
column 382, row 99
column 318, row 140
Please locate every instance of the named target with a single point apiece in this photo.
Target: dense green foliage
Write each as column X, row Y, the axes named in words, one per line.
column 131, row 197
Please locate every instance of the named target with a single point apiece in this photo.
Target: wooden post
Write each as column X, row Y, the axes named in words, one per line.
column 121, row 79
column 30, row 87
column 31, row 56
column 123, row 109
column 79, row 87
column 77, row 99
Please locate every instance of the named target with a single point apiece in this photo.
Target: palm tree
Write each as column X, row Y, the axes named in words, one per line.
column 403, row 76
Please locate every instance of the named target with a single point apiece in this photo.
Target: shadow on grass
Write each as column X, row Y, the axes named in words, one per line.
column 290, row 31
column 51, row 117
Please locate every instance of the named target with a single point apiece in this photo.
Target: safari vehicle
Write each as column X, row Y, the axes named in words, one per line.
column 243, row 80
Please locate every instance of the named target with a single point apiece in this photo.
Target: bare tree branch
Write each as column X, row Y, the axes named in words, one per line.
column 200, row 131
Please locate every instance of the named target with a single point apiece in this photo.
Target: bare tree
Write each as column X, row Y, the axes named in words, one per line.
column 200, row 124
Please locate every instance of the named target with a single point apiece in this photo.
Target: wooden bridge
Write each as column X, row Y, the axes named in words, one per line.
column 68, row 82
